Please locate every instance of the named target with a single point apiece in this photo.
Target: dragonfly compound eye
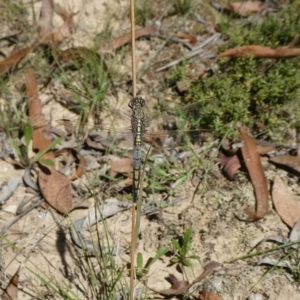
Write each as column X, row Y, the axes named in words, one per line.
column 136, row 102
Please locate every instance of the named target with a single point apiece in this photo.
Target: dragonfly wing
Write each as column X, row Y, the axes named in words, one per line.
column 163, row 131
column 111, row 138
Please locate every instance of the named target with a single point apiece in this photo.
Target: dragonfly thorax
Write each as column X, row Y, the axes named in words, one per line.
column 138, row 113
column 138, row 116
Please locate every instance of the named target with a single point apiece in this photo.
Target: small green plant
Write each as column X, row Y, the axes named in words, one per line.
column 142, row 270
column 23, row 150
column 143, row 12
column 261, row 94
column 183, row 7
column 183, row 246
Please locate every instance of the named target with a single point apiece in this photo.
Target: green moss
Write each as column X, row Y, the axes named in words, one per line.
column 260, row 93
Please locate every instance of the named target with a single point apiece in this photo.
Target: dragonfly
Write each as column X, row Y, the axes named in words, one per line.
column 138, row 127
column 160, row 132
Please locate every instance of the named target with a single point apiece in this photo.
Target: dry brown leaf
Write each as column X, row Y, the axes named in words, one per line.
column 263, row 150
column 178, row 287
column 187, row 36
column 11, row 290
column 244, row 8
column 81, row 167
column 12, row 60
column 290, row 161
column 55, row 187
column 178, row 284
column 206, row 295
column 230, row 164
column 257, row 175
column 181, row 287
column 81, row 163
column 45, row 24
column 121, row 165
column 209, row 269
column 67, row 17
column 287, row 208
column 260, row 52
column 66, row 29
column 126, row 38
column 37, row 118
column 47, row 33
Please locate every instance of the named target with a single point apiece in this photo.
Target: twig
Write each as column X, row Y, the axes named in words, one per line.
column 263, row 252
column 148, row 62
column 175, row 39
column 197, row 50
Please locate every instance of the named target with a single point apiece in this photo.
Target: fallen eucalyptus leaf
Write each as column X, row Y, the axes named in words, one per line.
column 8, row 190
column 295, row 232
column 275, row 263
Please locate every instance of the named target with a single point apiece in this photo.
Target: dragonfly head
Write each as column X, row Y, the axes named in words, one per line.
column 136, row 103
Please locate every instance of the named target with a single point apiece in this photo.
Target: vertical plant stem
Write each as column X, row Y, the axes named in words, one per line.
column 134, row 95
column 132, row 254
column 133, row 48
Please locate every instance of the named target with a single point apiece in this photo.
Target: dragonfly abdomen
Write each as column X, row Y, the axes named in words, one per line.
column 138, row 129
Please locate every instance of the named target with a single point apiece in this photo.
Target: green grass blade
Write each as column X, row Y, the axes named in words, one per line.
column 161, row 251
column 28, row 132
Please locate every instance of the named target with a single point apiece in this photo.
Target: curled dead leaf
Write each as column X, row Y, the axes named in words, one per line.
column 179, row 287
column 257, row 175
column 289, row 161
column 55, row 187
column 260, row 52
column 178, row 284
column 187, row 36
column 126, row 38
column 230, row 164
column 12, row 60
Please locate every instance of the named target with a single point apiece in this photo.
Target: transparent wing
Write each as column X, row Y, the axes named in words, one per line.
column 108, row 125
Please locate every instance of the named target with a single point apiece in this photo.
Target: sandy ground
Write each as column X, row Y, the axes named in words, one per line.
column 41, row 239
